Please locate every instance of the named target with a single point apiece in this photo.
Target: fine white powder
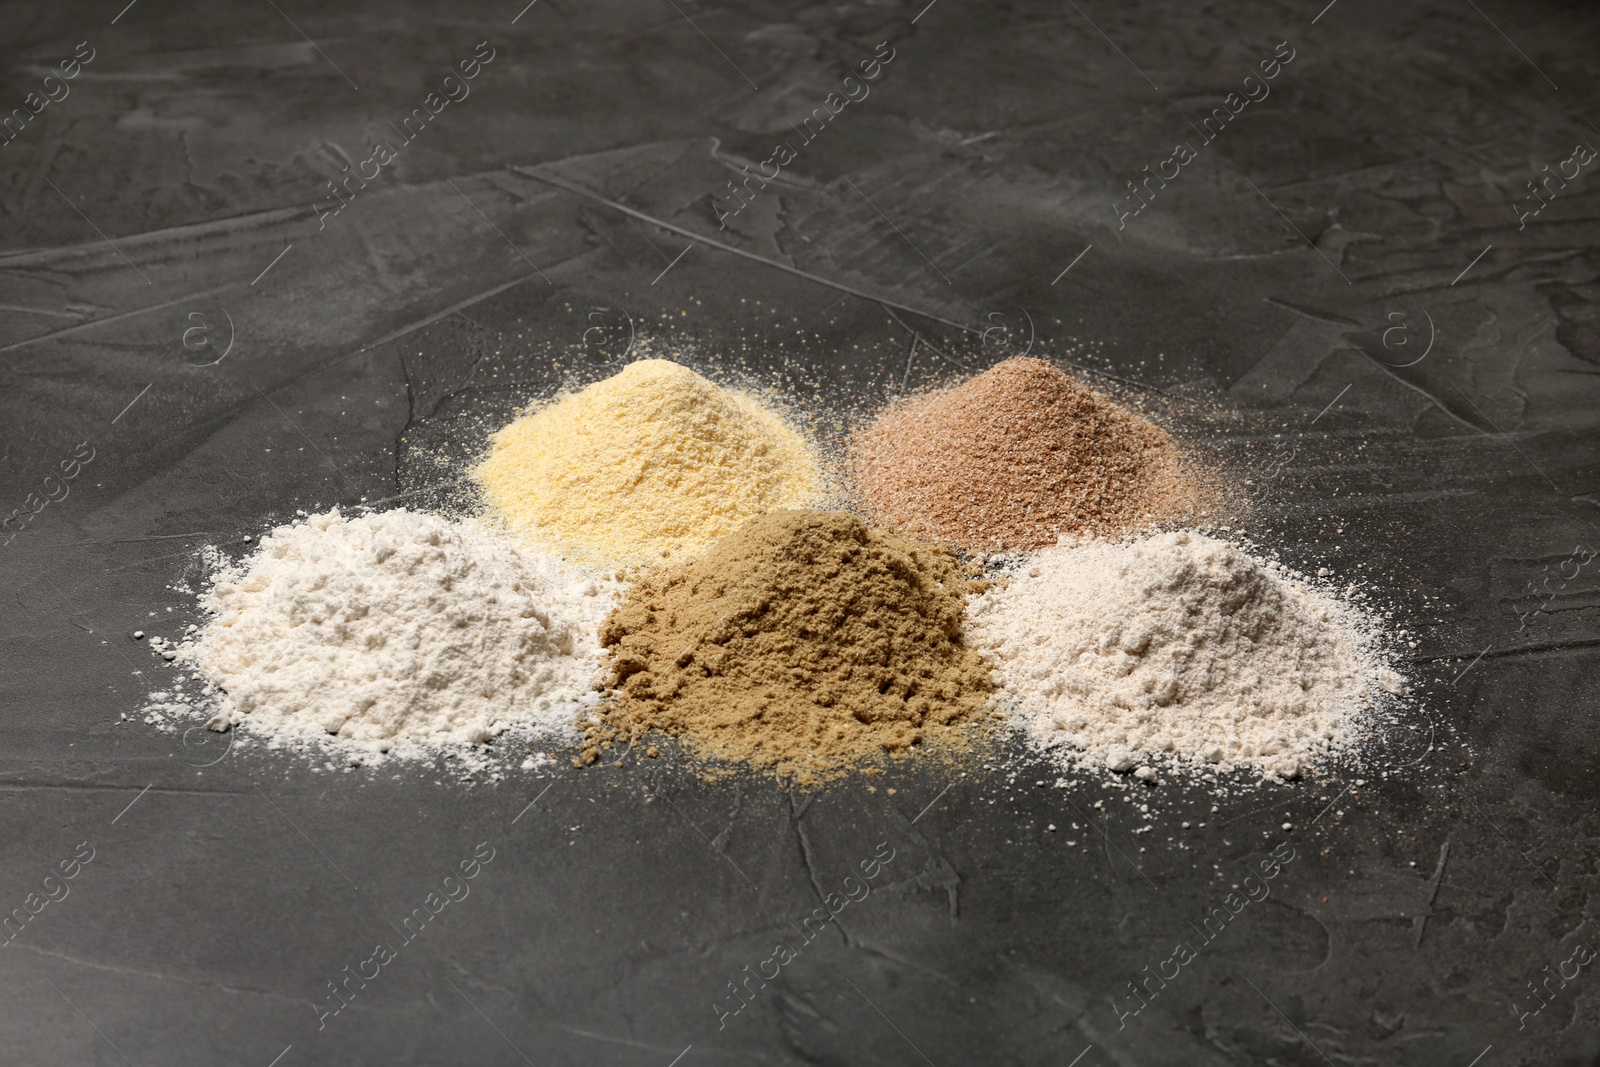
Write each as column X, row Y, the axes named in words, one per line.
column 1177, row 644
column 397, row 630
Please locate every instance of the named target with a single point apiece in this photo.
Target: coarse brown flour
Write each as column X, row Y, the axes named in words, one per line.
column 396, row 630
column 803, row 642
column 1177, row 644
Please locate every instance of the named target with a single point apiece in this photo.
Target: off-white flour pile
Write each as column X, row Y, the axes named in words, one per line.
column 1177, row 644
column 393, row 629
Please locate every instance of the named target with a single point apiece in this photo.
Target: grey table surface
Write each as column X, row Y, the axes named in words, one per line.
column 1395, row 333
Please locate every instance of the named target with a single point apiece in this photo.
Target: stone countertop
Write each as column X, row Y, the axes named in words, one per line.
column 1333, row 280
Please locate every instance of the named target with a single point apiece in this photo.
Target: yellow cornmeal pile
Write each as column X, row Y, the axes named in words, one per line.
column 652, row 463
column 803, row 642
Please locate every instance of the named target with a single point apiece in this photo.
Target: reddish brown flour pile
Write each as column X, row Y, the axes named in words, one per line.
column 1015, row 457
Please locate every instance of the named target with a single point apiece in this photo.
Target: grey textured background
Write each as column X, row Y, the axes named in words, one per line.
column 1391, row 156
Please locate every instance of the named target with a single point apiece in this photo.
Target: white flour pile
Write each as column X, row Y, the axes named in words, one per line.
column 1177, row 644
column 392, row 630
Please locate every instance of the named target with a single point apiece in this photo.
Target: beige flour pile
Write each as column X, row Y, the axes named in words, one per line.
column 397, row 628
column 1182, row 645
column 802, row 642
column 652, row 463
column 1015, row 457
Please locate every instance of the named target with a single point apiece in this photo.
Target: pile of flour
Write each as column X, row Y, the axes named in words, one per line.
column 396, row 630
column 1177, row 644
